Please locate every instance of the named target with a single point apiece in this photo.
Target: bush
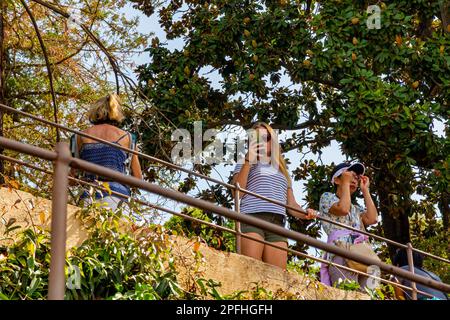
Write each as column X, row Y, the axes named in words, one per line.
column 110, row 264
column 214, row 238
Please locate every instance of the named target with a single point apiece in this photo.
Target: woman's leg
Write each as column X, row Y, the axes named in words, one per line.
column 275, row 256
column 252, row 248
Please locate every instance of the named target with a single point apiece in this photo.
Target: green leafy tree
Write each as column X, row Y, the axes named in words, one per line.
column 316, row 69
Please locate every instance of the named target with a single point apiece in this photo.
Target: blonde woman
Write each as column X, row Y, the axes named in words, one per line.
column 264, row 172
column 106, row 116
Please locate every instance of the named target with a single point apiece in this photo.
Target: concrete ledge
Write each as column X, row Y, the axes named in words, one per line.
column 30, row 211
column 236, row 272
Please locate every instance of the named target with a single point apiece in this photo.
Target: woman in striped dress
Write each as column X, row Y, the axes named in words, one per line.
column 264, row 172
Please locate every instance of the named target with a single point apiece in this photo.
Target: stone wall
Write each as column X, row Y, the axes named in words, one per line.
column 236, row 272
column 29, row 211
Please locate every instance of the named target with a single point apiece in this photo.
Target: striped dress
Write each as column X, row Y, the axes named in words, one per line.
column 267, row 181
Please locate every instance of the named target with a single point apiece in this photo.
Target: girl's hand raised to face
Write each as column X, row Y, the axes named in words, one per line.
column 364, row 183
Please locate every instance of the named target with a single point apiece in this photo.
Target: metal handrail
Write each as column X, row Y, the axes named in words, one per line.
column 230, row 186
column 214, row 226
column 177, row 196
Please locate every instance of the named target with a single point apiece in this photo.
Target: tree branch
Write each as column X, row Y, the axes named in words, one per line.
column 303, row 125
column 327, row 82
column 279, row 126
column 445, row 15
column 36, row 65
column 39, row 93
column 99, row 43
column 47, row 63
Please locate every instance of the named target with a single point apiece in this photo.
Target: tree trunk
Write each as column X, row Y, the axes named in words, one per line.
column 394, row 216
column 445, row 15
column 2, row 77
column 444, row 207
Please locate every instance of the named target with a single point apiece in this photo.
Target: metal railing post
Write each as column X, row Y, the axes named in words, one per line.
column 57, row 279
column 237, row 208
column 409, row 252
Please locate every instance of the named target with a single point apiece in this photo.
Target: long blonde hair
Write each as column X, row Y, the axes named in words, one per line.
column 275, row 148
column 106, row 109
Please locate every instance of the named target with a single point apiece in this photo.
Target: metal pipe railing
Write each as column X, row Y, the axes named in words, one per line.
column 237, row 233
column 177, row 196
column 57, row 281
column 411, row 269
column 28, row 149
column 227, row 185
column 237, row 208
column 181, row 197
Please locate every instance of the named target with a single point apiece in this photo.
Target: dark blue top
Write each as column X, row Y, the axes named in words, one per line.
column 107, row 156
column 421, row 287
